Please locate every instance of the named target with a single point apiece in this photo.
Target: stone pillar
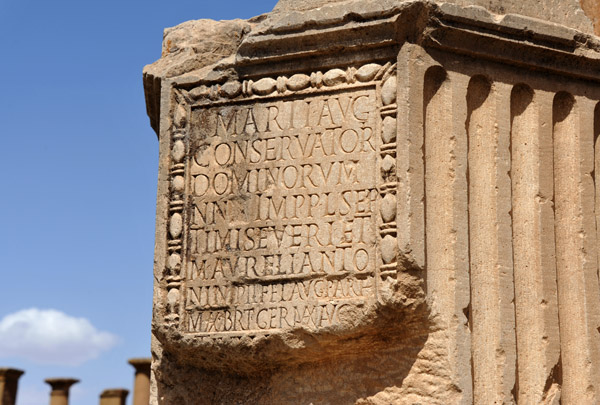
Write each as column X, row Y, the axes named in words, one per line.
column 60, row 390
column 368, row 210
column 114, row 396
column 9, row 380
column 141, row 385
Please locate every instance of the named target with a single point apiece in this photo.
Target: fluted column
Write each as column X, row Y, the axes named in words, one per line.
column 9, row 380
column 113, row 396
column 141, row 385
column 60, row 390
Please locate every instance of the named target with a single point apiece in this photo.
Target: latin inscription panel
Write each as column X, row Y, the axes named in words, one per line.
column 281, row 226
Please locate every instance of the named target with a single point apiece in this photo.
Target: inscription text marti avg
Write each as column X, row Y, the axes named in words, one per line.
column 282, row 196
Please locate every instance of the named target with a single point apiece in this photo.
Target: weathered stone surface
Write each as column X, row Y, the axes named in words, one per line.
column 379, row 202
column 580, row 14
column 191, row 46
column 591, row 8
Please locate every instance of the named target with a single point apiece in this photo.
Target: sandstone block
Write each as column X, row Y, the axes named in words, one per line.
column 378, row 202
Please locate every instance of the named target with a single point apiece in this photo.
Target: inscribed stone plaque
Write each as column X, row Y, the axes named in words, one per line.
column 282, row 210
column 282, row 203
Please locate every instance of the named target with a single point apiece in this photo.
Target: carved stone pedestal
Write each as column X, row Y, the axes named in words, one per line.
column 378, row 202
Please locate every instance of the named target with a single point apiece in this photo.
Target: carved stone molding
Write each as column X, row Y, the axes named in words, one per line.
column 381, row 78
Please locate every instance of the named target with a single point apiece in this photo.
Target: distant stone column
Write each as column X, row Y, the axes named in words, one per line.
column 60, row 390
column 141, row 385
column 113, row 396
column 9, row 381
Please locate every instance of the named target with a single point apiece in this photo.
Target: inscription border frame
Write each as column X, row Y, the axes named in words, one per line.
column 183, row 100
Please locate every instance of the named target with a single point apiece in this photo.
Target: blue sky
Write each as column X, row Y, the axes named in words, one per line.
column 79, row 163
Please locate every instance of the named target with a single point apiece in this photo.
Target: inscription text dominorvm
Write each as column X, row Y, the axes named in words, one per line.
column 281, row 212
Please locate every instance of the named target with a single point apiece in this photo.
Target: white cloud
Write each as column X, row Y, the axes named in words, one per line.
column 51, row 337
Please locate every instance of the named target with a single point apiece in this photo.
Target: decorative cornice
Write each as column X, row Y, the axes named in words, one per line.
column 353, row 38
column 511, row 38
column 514, row 40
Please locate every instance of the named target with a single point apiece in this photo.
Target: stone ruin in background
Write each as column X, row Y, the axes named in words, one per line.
column 60, row 387
column 379, row 202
